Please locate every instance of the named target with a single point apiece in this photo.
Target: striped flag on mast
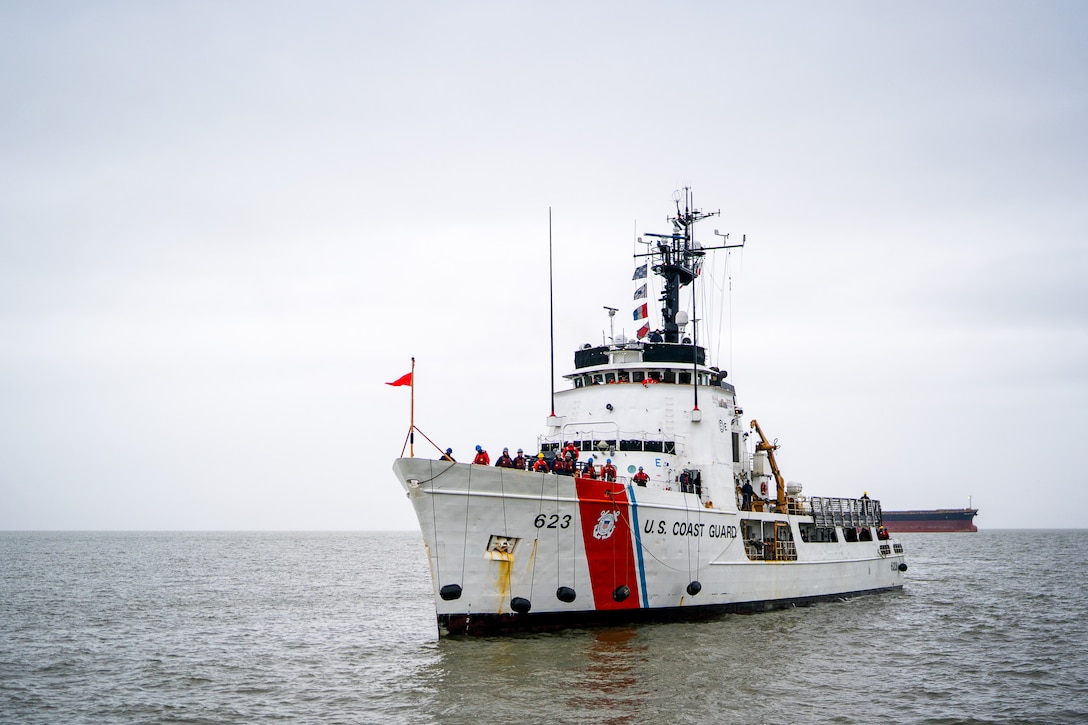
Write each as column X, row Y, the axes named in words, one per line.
column 642, row 311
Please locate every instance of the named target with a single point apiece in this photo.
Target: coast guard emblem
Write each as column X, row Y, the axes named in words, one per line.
column 606, row 524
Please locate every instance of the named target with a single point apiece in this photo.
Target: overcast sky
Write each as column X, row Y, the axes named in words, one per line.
column 225, row 225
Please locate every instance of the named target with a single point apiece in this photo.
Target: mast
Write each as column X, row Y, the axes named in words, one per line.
column 551, row 311
column 678, row 258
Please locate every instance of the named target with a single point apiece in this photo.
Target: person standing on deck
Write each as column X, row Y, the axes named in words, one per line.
column 505, row 461
column 747, row 492
column 481, row 457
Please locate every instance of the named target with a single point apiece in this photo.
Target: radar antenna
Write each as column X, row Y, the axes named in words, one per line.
column 612, row 322
column 678, row 257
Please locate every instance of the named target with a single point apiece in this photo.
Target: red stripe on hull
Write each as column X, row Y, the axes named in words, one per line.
column 607, row 537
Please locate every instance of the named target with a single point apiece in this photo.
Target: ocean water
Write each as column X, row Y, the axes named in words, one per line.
column 339, row 628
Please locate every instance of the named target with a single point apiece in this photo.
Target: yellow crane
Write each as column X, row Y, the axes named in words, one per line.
column 780, row 482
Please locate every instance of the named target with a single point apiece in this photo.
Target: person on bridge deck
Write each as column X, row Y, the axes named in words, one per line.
column 448, row 455
column 481, row 457
column 564, row 466
column 640, row 478
column 608, row 471
column 505, row 461
column 589, row 471
column 541, row 465
column 571, row 449
column 519, row 460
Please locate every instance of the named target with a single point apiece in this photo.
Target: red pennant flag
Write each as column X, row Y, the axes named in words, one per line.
column 405, row 379
column 643, row 331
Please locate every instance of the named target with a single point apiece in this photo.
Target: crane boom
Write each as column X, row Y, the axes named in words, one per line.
column 763, row 445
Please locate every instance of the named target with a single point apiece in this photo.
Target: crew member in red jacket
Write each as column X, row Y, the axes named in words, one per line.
column 481, row 457
column 640, row 478
column 519, row 460
column 608, row 471
column 571, row 450
column 541, row 465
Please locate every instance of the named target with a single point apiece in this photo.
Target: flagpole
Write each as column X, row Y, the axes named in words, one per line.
column 412, row 414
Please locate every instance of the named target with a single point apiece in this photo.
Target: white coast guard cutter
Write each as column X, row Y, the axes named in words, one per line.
column 515, row 550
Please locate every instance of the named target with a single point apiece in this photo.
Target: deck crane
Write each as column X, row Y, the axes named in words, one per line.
column 780, row 483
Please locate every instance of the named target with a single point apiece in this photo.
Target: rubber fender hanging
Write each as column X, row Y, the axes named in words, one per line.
column 902, row 567
column 621, row 592
column 521, row 605
column 695, row 587
column 450, row 592
column 565, row 594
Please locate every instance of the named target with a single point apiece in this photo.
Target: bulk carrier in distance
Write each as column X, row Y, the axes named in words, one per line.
column 936, row 520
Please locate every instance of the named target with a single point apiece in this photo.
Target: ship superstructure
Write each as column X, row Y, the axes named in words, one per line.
column 698, row 521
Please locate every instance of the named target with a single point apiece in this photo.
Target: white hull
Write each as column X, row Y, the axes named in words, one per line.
column 504, row 539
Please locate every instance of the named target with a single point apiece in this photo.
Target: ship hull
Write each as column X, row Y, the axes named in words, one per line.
column 935, row 521
column 513, row 551
column 499, row 624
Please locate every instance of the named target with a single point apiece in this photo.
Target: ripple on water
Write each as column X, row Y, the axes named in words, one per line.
column 340, row 627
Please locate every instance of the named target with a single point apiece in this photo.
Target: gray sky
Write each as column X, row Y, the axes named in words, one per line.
column 223, row 226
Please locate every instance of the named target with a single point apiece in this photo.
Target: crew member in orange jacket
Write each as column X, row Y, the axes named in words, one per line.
column 541, row 465
column 608, row 471
column 481, row 457
column 640, row 478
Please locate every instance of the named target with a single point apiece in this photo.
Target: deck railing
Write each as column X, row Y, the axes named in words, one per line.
column 847, row 512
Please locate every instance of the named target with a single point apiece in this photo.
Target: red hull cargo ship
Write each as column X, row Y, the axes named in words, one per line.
column 907, row 522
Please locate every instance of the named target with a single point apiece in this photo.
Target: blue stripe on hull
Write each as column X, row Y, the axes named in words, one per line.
column 638, row 544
